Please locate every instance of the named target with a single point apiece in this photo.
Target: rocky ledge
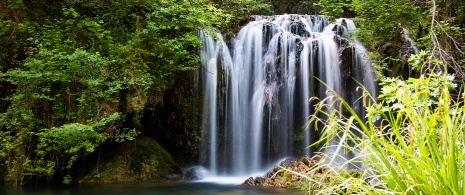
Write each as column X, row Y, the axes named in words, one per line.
column 302, row 174
column 282, row 175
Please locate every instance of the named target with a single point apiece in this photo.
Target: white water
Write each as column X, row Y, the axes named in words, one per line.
column 410, row 40
column 211, row 51
column 361, row 61
column 214, row 178
column 256, row 100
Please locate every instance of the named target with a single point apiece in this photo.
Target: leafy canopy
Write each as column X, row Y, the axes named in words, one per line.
column 74, row 70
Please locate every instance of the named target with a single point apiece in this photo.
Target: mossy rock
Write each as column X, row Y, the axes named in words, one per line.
column 140, row 160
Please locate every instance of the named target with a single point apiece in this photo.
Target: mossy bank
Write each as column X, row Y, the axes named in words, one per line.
column 134, row 161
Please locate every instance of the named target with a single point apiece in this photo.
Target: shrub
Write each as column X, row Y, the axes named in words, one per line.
column 411, row 141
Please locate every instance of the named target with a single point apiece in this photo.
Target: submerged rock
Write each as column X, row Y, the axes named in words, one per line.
column 140, row 160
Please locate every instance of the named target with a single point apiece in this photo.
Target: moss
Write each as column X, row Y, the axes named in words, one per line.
column 142, row 160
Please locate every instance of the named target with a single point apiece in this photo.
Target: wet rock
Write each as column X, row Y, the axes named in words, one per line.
column 282, row 178
column 287, row 162
column 250, row 181
column 289, row 175
column 195, row 173
column 140, row 160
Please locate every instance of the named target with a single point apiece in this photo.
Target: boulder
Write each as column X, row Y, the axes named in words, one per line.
column 135, row 161
column 287, row 175
column 195, row 173
column 282, row 178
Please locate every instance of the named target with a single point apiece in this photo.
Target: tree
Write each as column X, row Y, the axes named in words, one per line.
column 76, row 69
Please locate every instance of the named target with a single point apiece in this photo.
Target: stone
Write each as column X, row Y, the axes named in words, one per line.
column 195, row 173
column 284, row 176
column 281, row 178
column 135, row 161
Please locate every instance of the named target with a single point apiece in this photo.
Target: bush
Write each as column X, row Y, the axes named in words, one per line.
column 410, row 142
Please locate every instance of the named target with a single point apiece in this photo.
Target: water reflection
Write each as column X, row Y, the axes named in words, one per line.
column 176, row 188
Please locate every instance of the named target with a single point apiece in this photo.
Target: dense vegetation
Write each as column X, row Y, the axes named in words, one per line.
column 76, row 74
column 410, row 142
column 411, row 139
column 436, row 25
column 73, row 73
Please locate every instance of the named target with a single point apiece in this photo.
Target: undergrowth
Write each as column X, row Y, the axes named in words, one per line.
column 411, row 140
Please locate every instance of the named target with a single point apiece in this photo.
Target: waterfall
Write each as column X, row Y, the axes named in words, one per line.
column 410, row 40
column 212, row 51
column 256, row 99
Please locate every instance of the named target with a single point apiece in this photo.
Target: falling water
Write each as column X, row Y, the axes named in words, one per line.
column 211, row 51
column 410, row 40
column 256, row 100
column 361, row 62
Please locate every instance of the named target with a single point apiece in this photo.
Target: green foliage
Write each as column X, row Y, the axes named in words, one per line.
column 124, row 134
column 240, row 9
column 16, row 4
column 411, row 142
column 73, row 70
column 308, row 7
column 5, row 26
column 421, row 60
column 40, row 167
column 62, row 140
column 334, row 8
column 378, row 19
column 435, row 25
column 172, row 38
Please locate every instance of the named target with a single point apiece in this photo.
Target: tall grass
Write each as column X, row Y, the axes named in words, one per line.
column 410, row 142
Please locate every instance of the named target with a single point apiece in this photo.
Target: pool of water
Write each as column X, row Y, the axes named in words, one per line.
column 172, row 188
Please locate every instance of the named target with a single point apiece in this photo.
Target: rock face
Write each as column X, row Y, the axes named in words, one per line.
column 176, row 114
column 140, row 160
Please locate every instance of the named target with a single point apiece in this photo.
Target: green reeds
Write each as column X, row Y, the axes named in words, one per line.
column 410, row 142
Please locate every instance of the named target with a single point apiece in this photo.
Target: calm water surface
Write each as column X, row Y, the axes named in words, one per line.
column 175, row 188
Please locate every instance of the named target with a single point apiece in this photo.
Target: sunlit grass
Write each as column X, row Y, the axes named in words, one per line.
column 410, row 142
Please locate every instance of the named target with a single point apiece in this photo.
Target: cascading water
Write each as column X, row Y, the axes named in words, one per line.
column 410, row 40
column 256, row 101
column 361, row 62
